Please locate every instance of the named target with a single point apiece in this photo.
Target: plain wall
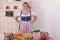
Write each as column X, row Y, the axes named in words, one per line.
column 48, row 11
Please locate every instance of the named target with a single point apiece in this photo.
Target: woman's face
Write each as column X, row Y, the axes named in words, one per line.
column 25, row 6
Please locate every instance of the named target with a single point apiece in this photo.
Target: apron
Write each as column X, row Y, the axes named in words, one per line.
column 25, row 24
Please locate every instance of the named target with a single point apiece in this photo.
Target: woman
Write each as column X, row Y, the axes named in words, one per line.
column 26, row 18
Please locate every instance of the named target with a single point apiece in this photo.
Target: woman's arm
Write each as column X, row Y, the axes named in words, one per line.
column 16, row 18
column 34, row 19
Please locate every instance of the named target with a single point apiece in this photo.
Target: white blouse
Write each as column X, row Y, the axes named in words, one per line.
column 32, row 14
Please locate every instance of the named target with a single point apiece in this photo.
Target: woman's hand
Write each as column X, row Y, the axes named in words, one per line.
column 19, row 22
column 16, row 18
column 32, row 21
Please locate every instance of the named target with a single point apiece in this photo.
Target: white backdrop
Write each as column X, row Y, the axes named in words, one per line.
column 48, row 11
